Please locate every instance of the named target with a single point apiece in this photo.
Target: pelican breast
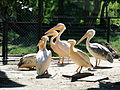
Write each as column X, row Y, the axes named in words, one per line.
column 43, row 61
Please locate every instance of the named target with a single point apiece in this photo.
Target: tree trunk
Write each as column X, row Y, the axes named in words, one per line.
column 86, row 10
column 95, row 13
column 102, row 17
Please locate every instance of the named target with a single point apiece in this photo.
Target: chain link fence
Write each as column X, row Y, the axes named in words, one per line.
column 23, row 30
column 23, row 36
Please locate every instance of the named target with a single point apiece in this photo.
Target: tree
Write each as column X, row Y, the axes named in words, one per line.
column 7, row 7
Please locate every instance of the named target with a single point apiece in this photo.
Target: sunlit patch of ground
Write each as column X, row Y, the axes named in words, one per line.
column 11, row 77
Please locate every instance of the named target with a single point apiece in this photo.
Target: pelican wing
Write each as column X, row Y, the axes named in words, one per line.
column 64, row 46
column 82, row 54
column 28, row 60
column 101, row 51
column 83, row 57
column 98, row 48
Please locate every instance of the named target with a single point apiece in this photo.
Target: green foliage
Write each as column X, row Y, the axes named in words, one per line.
column 50, row 8
column 115, row 42
column 12, row 35
column 114, row 11
column 7, row 7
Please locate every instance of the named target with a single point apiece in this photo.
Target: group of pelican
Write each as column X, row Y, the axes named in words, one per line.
column 67, row 49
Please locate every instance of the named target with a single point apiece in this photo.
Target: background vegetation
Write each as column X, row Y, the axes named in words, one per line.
column 23, row 40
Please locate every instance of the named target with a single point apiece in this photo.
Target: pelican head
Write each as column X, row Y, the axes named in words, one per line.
column 54, row 33
column 59, row 27
column 72, row 41
column 43, row 40
column 89, row 34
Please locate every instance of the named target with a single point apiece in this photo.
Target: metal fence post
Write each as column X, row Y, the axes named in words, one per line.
column 40, row 16
column 5, row 43
column 108, row 29
column 108, row 24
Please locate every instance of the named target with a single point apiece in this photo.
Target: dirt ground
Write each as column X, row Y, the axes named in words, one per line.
column 12, row 78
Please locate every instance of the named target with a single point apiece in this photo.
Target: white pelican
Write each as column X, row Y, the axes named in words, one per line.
column 28, row 61
column 53, row 45
column 43, row 57
column 62, row 44
column 96, row 50
column 78, row 56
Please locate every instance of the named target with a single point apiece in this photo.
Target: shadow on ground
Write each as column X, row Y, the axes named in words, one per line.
column 102, row 67
column 107, row 86
column 5, row 82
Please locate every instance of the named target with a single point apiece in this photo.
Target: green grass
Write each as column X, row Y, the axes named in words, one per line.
column 22, row 50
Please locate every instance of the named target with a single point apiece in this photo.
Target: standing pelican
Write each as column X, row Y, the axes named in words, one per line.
column 63, row 45
column 97, row 50
column 43, row 57
column 78, row 56
column 53, row 45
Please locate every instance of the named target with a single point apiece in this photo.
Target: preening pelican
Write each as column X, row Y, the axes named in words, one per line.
column 62, row 44
column 78, row 56
column 96, row 50
column 53, row 45
column 43, row 57
column 28, row 61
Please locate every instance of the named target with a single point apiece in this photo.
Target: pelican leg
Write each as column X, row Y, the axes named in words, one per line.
column 68, row 60
column 99, row 62
column 96, row 62
column 62, row 60
column 59, row 60
column 77, row 69
column 46, row 72
column 80, row 69
column 31, row 68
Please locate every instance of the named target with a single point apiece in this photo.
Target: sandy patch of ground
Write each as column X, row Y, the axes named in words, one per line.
column 23, row 79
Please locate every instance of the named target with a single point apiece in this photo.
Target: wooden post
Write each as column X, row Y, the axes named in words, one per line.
column 5, row 43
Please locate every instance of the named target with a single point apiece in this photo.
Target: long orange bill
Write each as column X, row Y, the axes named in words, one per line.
column 58, row 27
column 39, row 43
column 85, row 36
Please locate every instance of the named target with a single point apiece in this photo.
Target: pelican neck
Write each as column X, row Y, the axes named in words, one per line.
column 60, row 33
column 51, row 41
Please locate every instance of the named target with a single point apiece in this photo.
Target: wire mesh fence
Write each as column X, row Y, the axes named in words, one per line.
column 23, row 36
column 24, row 30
